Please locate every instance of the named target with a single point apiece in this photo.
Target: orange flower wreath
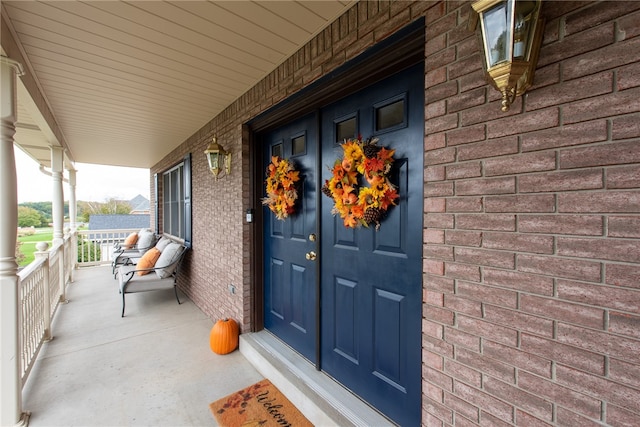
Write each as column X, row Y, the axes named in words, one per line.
column 282, row 192
column 357, row 204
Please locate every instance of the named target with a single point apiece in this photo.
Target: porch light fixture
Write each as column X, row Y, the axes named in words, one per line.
column 218, row 158
column 511, row 38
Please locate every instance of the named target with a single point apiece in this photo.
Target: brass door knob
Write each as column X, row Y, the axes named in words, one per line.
column 311, row 256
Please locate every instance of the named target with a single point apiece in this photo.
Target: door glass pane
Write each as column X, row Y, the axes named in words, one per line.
column 298, row 145
column 390, row 115
column 276, row 150
column 346, row 129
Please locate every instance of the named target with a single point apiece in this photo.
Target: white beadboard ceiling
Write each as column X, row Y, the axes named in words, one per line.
column 128, row 81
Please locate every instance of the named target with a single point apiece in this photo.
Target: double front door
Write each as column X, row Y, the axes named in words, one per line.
column 349, row 300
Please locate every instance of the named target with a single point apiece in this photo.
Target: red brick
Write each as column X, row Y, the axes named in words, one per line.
column 463, row 238
column 568, row 135
column 518, row 242
column 489, row 148
column 464, row 204
column 589, row 179
column 435, row 44
column 600, row 202
column 466, row 135
column 438, row 252
column 485, row 222
column 435, row 77
column 627, row 373
column 607, row 154
column 486, row 402
column 560, row 267
column 488, row 420
column 466, row 99
column 440, row 411
column 570, row 91
column 436, row 189
column 433, row 360
column 600, row 342
column 623, row 275
column 560, row 310
column 463, row 305
column 433, row 392
column 485, row 114
column 473, row 187
column 440, row 284
column 472, row 81
column 433, row 267
column 628, row 76
column 594, row 60
column 487, row 294
column 461, row 407
column 437, row 346
column 570, row 419
column 624, row 226
column 624, row 324
column 431, row 420
column 520, row 203
column 439, row 92
column 625, row 127
column 440, row 59
column 464, row 373
column 545, row 76
column 433, row 204
column 434, row 173
column 519, row 359
column 441, row 25
column 624, row 177
column 465, row 66
column 443, row 155
column 435, row 109
column 537, row 406
column 435, row 141
column 587, row 225
column 438, row 378
column 523, row 163
column 596, row 14
column 491, row 258
column 523, row 123
column 524, row 419
column 435, row 220
column 459, row 338
column 599, row 248
column 518, row 320
column 464, row 170
column 562, row 353
column 462, row 271
column 614, row 104
column 600, row 295
column 520, row 281
column 602, row 388
column 433, row 236
column 487, row 330
column 616, row 416
column 437, row 314
column 587, row 41
column 486, row 365
column 433, row 298
column 432, row 329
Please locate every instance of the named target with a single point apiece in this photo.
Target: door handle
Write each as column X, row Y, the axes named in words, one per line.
column 311, row 256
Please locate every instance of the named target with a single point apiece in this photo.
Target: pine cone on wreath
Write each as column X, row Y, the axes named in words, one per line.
column 370, row 149
column 372, row 216
column 325, row 190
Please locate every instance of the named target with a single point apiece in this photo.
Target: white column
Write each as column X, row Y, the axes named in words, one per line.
column 10, row 371
column 73, row 205
column 57, row 205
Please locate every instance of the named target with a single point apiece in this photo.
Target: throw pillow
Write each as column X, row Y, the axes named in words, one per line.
column 146, row 240
column 148, row 260
column 165, row 263
column 130, row 240
column 163, row 243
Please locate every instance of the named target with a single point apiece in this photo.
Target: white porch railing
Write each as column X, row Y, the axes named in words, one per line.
column 42, row 284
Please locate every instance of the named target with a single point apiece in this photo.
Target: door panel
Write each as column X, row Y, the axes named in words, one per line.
column 371, row 281
column 290, row 279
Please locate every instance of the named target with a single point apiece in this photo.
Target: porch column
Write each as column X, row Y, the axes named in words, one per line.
column 73, row 205
column 10, row 371
column 57, row 206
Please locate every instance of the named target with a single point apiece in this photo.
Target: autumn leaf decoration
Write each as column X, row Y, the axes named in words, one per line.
column 357, row 204
column 281, row 187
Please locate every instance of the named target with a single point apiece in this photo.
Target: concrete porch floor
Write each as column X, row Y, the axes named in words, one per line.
column 154, row 367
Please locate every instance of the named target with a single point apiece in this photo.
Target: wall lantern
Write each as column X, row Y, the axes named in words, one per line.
column 218, row 158
column 511, row 38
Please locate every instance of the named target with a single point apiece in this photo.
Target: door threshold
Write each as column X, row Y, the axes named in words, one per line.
column 320, row 398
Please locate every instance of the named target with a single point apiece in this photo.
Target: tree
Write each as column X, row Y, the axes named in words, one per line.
column 110, row 207
column 29, row 217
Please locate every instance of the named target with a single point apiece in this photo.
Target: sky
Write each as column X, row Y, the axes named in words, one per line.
column 94, row 183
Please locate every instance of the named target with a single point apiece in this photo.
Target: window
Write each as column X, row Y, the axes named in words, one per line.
column 176, row 200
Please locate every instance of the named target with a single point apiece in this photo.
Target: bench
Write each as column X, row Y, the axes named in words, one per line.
column 134, row 246
column 161, row 275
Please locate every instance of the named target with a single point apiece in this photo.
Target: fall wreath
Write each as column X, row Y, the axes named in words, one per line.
column 281, row 187
column 359, row 204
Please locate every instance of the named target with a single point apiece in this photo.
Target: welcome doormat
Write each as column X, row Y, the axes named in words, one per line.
column 260, row 404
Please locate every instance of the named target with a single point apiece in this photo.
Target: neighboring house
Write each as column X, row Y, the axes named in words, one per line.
column 139, row 205
column 117, row 222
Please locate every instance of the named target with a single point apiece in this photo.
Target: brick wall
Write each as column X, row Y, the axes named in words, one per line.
column 532, row 220
column 532, row 217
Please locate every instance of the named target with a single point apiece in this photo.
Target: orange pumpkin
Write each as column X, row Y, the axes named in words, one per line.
column 223, row 338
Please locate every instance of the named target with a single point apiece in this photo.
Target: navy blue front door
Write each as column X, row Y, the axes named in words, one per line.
column 290, row 278
column 369, row 282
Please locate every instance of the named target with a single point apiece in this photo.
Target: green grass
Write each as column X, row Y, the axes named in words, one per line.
column 28, row 246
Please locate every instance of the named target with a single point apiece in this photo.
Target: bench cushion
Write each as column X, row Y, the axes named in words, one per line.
column 166, row 263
